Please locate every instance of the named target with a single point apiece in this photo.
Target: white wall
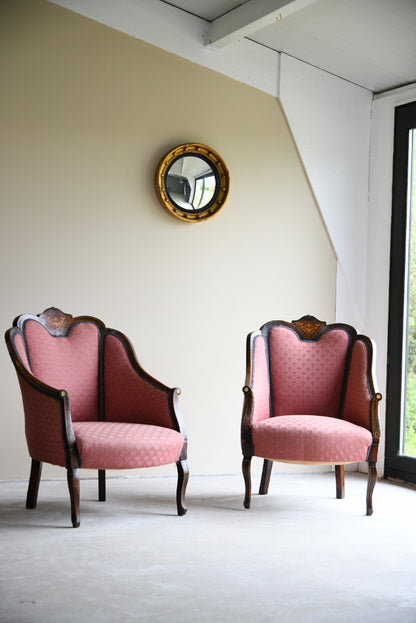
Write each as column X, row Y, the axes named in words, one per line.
column 330, row 119
column 381, row 169
column 331, row 123
column 345, row 140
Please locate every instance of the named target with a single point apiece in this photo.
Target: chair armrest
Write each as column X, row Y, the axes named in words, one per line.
column 257, row 386
column 48, row 425
column 361, row 395
column 256, row 405
column 130, row 393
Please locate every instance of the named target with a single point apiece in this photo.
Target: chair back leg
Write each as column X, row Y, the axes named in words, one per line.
column 183, row 476
column 265, row 476
column 34, row 480
column 73, row 486
column 101, row 485
column 340, row 481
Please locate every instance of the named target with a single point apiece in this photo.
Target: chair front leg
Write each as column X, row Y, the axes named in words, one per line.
column 73, row 486
column 247, row 480
column 265, row 476
column 372, row 479
column 101, row 485
column 340, row 481
column 34, row 480
column 183, row 476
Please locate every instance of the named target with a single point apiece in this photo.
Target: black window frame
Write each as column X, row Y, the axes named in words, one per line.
column 398, row 465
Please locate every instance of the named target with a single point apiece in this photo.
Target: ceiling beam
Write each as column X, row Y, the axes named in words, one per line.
column 248, row 18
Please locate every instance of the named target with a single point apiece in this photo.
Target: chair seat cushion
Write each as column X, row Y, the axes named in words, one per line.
column 116, row 445
column 310, row 438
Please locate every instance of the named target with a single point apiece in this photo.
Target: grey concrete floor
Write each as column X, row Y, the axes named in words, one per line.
column 297, row 555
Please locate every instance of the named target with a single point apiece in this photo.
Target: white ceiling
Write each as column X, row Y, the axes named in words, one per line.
column 371, row 43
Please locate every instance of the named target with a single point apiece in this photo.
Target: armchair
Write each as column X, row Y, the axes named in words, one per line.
column 89, row 404
column 309, row 398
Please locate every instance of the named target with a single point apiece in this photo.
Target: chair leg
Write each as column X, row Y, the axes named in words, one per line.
column 247, row 480
column 101, row 485
column 340, row 481
column 265, row 476
column 34, row 480
column 372, row 479
column 73, row 486
column 183, row 476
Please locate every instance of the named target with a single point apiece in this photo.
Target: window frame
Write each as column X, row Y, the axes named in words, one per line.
column 398, row 465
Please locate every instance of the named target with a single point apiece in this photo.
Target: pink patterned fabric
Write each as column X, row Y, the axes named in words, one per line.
column 306, row 375
column 357, row 408
column 310, row 438
column 69, row 363
column 260, row 381
column 43, row 426
column 116, row 445
column 128, row 397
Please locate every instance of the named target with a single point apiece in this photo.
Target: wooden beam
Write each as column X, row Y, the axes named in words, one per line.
column 248, row 18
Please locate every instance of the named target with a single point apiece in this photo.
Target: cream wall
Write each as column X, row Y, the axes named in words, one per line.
column 86, row 113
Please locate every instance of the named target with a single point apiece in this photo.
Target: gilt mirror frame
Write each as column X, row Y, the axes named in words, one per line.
column 212, row 169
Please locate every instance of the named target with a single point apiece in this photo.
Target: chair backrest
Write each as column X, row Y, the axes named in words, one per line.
column 307, row 367
column 307, row 376
column 64, row 353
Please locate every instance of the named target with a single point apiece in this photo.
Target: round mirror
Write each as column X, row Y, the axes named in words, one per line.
column 192, row 182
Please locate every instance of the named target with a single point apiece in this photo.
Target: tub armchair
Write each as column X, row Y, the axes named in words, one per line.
column 89, row 404
column 310, row 398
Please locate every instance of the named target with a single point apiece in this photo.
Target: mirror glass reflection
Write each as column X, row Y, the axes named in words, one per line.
column 191, row 183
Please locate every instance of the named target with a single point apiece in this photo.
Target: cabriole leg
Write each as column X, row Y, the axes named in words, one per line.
column 73, row 486
column 247, row 480
column 33, row 488
column 340, row 481
column 265, row 476
column 183, row 476
column 372, row 479
column 101, row 485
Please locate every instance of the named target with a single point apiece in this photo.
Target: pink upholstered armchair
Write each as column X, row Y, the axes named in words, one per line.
column 309, row 398
column 88, row 403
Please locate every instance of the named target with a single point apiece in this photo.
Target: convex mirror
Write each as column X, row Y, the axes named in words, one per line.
column 192, row 182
